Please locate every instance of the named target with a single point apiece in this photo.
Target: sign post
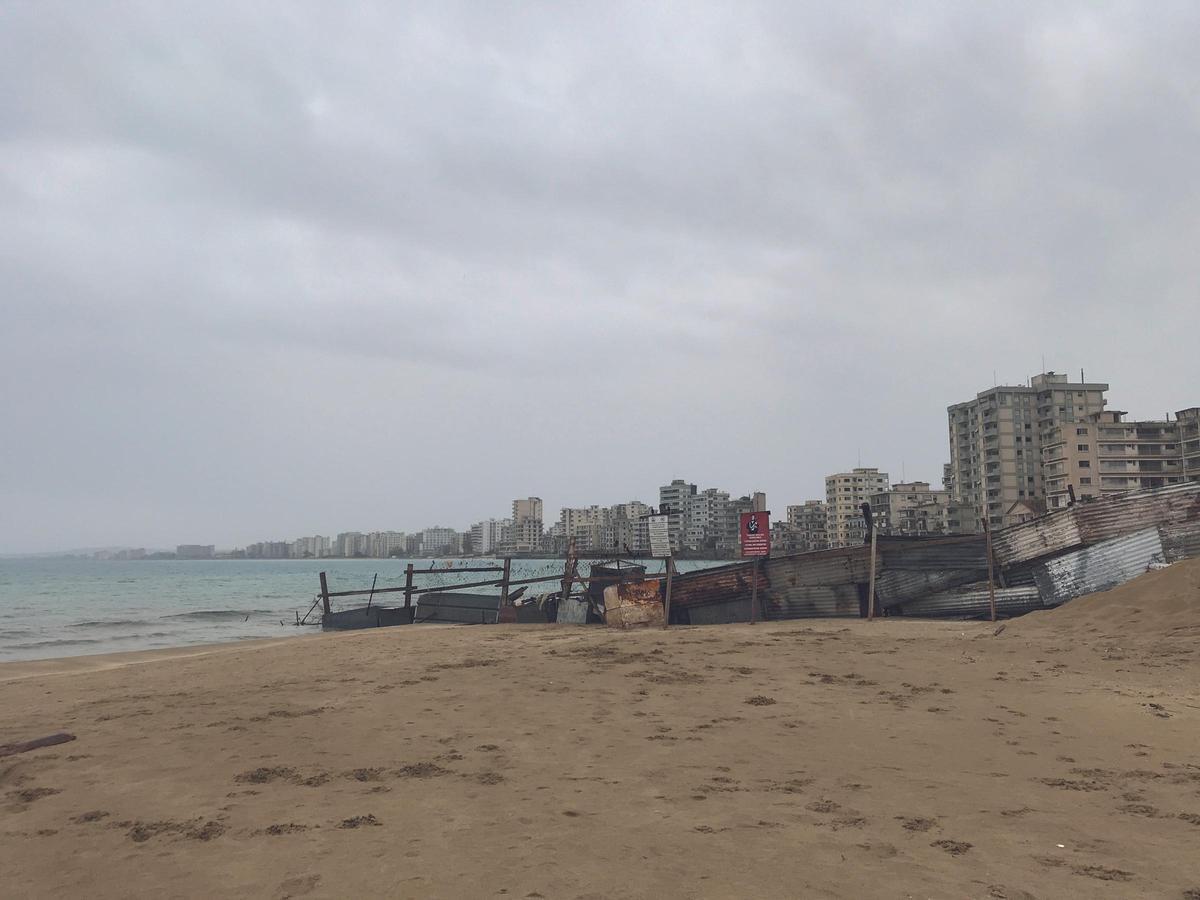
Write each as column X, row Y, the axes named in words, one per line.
column 660, row 547
column 755, row 533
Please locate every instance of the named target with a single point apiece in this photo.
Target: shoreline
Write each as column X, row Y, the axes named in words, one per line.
column 15, row 670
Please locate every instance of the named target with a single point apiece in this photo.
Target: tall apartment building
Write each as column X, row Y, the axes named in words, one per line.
column 586, row 526
column 350, row 543
column 315, row 547
column 269, row 550
column 1189, row 435
column 1102, row 454
column 439, row 541
column 489, row 535
column 845, row 492
column 635, row 533
column 809, row 521
column 527, row 525
column 382, row 544
column 996, row 445
column 672, row 499
column 910, row 509
column 704, row 515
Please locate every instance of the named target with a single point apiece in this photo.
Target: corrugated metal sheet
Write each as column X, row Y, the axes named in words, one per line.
column 1097, row 568
column 815, row 602
column 717, row 585
column 925, row 554
column 1121, row 514
column 460, row 607
column 824, row 584
column 895, row 586
column 1053, row 533
column 973, row 602
column 1180, row 541
column 736, row 610
column 1098, row 520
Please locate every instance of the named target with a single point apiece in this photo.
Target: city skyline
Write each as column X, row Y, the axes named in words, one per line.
column 255, row 280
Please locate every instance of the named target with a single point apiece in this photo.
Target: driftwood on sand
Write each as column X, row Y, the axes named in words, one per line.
column 24, row 746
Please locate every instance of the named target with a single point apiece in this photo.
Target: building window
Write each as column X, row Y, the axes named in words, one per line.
column 1084, row 464
column 1082, row 448
column 1081, row 431
column 1085, row 481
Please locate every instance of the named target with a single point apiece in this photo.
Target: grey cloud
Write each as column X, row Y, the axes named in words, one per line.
column 590, row 248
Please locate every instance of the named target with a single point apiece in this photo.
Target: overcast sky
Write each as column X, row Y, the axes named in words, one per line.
column 279, row 269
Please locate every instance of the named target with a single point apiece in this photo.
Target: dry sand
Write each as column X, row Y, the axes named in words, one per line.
column 1059, row 758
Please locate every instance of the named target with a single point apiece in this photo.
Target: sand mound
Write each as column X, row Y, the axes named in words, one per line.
column 1158, row 604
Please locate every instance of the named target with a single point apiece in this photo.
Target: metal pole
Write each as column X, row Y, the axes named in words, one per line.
column 667, row 602
column 871, row 592
column 754, row 591
column 371, row 596
column 987, row 530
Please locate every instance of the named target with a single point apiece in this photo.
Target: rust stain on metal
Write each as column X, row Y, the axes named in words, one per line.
column 633, row 603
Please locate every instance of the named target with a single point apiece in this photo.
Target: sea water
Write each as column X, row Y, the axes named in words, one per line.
column 71, row 607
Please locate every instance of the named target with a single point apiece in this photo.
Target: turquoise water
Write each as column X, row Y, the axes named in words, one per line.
column 67, row 607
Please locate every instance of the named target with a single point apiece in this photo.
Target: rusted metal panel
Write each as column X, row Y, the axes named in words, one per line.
column 1099, row 567
column 633, row 603
column 1053, row 533
column 606, row 574
column 1175, row 504
column 1180, row 541
column 1097, row 520
column 824, row 584
column 717, row 585
column 973, row 601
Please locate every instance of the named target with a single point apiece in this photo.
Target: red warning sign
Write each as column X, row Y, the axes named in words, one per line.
column 756, row 533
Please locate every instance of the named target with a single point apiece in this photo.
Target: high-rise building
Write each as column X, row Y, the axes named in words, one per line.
column 439, row 541
column 314, row 547
column 672, row 499
column 910, row 509
column 1102, row 454
column 845, row 492
column 810, row 522
column 350, row 544
column 527, row 525
column 996, row 445
column 1189, row 435
column 489, row 535
column 382, row 544
column 701, row 520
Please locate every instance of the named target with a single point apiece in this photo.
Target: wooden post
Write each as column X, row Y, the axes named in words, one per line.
column 408, row 578
column 324, row 594
column 667, row 601
column 871, row 591
column 568, row 578
column 504, row 581
column 755, row 571
column 987, row 531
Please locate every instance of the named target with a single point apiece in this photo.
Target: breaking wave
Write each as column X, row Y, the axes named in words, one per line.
column 219, row 615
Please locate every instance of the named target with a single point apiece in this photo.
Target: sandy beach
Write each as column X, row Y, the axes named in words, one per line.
column 1059, row 757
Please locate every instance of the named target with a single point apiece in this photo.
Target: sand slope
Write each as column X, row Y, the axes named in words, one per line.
column 839, row 759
